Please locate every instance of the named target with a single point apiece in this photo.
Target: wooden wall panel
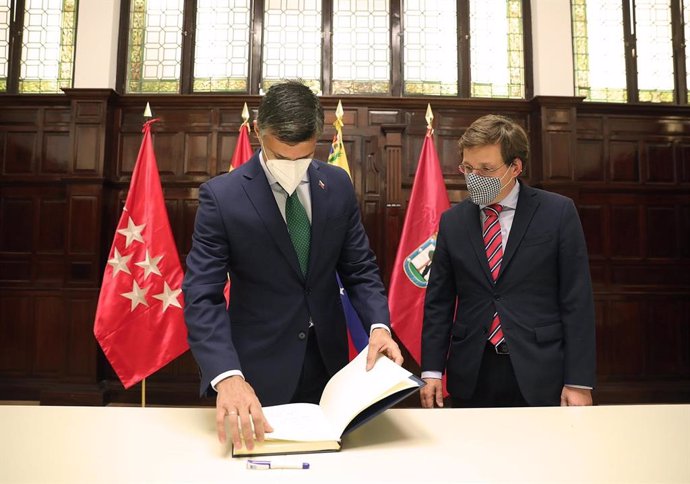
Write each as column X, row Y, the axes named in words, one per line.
column 65, row 168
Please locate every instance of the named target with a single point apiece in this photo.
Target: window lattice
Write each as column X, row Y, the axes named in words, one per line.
column 654, row 50
column 155, row 46
column 496, row 49
column 430, row 35
column 361, row 47
column 292, row 42
column 222, row 45
column 686, row 19
column 47, row 60
column 599, row 50
column 4, row 42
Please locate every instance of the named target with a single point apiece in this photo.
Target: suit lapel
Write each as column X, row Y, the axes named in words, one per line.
column 260, row 194
column 318, row 187
column 474, row 230
column 526, row 206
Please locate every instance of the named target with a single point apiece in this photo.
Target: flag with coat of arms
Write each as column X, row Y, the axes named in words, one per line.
column 139, row 319
column 414, row 258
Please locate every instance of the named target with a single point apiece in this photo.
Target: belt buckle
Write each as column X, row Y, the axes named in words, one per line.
column 502, row 348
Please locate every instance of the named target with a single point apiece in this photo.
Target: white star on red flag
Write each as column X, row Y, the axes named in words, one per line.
column 169, row 297
column 137, row 295
column 119, row 262
column 150, row 265
column 132, row 232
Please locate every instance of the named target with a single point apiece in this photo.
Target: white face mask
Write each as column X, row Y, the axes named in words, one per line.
column 484, row 189
column 288, row 173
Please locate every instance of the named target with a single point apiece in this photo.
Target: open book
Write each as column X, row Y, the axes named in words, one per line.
column 351, row 397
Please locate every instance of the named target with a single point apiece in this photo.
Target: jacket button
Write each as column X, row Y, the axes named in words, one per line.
column 497, row 297
column 485, row 330
column 307, row 291
column 301, row 335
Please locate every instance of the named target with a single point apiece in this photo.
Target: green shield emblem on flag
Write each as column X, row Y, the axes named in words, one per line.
column 417, row 265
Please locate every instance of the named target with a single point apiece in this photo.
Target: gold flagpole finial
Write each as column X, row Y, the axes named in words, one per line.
column 339, row 110
column 245, row 114
column 147, row 111
column 429, row 117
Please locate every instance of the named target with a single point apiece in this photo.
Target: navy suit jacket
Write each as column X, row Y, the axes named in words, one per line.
column 239, row 230
column 543, row 296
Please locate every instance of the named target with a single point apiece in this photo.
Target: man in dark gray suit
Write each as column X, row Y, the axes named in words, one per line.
column 509, row 313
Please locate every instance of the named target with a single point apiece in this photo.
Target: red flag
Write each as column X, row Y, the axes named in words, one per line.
column 243, row 149
column 139, row 319
column 415, row 252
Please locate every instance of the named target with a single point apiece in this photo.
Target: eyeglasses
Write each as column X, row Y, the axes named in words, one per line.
column 467, row 168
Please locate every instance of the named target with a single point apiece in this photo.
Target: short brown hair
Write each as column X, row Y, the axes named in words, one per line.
column 493, row 129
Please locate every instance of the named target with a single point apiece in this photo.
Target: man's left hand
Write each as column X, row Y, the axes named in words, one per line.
column 380, row 341
column 576, row 397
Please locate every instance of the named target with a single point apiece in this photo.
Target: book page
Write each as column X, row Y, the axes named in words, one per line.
column 299, row 421
column 353, row 388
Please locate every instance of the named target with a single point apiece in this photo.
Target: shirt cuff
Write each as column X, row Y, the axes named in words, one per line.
column 437, row 375
column 223, row 376
column 377, row 326
column 583, row 387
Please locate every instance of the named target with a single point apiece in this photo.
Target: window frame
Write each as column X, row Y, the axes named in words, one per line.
column 255, row 49
column 14, row 52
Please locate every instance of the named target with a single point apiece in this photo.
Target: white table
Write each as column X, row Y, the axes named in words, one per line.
column 120, row 445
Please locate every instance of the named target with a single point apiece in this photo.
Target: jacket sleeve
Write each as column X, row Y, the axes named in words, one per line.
column 208, row 322
column 576, row 301
column 439, row 305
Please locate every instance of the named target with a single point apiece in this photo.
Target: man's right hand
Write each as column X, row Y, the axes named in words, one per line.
column 237, row 401
column 432, row 393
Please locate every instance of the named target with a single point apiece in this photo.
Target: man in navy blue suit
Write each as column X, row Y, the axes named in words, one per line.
column 281, row 225
column 509, row 313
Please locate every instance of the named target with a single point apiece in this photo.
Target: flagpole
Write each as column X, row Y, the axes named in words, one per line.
column 147, row 116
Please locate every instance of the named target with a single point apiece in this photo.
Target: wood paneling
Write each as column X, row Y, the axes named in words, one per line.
column 66, row 163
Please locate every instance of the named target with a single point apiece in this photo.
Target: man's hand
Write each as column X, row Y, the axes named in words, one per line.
column 576, row 397
column 237, row 401
column 380, row 341
column 432, row 393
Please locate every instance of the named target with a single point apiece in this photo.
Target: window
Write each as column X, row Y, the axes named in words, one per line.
column 37, row 39
column 611, row 65
column 371, row 47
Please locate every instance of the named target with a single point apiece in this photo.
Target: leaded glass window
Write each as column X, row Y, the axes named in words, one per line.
column 292, row 42
column 686, row 18
column 361, row 47
column 4, row 42
column 654, row 50
column 222, row 45
column 430, row 34
column 496, row 49
column 599, row 51
column 155, row 46
column 48, row 39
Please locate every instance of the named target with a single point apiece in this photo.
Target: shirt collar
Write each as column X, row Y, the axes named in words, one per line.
column 510, row 200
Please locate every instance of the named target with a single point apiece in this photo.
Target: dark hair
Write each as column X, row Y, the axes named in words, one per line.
column 493, row 129
column 291, row 112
